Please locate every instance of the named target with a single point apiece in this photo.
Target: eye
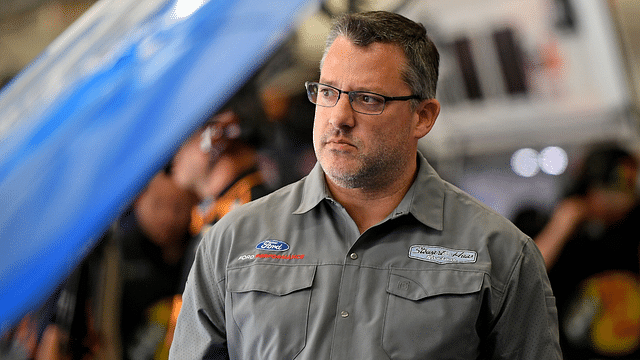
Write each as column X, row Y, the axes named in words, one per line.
column 369, row 99
column 325, row 91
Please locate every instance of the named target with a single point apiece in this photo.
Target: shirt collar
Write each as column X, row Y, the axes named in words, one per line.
column 314, row 190
column 424, row 200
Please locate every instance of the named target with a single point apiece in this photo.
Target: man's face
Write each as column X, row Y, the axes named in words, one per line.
column 164, row 211
column 192, row 164
column 358, row 150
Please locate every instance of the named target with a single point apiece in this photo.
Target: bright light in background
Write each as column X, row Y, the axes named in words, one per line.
column 524, row 162
column 553, row 160
column 184, row 8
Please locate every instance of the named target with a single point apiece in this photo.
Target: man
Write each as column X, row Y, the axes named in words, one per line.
column 220, row 163
column 152, row 239
column 372, row 255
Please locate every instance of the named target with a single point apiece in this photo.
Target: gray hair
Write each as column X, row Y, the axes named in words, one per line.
column 363, row 29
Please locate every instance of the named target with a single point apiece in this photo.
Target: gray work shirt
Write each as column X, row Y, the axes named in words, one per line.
column 289, row 276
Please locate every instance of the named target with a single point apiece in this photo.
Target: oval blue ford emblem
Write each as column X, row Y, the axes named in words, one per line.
column 273, row 245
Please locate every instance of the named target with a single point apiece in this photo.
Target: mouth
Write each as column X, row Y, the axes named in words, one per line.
column 339, row 144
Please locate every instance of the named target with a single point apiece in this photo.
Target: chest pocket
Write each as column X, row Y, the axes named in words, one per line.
column 432, row 313
column 270, row 307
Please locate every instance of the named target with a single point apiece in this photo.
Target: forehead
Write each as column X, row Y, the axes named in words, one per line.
column 377, row 66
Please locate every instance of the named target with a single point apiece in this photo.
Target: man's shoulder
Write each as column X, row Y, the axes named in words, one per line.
column 470, row 209
column 483, row 226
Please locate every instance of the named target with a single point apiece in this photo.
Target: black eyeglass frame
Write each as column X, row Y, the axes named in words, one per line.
column 351, row 95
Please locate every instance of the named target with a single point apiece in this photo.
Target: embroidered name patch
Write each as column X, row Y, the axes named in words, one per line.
column 442, row 255
column 273, row 245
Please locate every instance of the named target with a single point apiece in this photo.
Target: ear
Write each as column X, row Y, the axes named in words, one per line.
column 426, row 113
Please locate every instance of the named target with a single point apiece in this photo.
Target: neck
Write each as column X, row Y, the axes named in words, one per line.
column 368, row 207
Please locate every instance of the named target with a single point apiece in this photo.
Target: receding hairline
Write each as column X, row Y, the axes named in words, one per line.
column 403, row 65
column 420, row 57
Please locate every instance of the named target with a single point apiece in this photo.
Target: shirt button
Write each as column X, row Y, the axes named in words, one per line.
column 353, row 256
column 344, row 314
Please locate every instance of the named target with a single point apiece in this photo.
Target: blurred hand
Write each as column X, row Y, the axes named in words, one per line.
column 564, row 221
column 573, row 210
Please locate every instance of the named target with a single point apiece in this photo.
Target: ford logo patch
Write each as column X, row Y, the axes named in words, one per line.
column 273, row 245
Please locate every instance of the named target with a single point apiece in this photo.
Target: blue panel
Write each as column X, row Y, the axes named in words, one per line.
column 85, row 127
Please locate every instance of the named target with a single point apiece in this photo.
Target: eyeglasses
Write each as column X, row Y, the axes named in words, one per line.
column 362, row 102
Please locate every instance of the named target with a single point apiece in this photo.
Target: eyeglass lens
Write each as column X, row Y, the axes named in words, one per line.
column 328, row 96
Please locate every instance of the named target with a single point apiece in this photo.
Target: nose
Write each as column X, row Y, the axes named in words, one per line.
column 342, row 113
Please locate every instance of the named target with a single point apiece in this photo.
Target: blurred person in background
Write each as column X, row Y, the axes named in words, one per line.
column 591, row 250
column 153, row 239
column 116, row 305
column 221, row 164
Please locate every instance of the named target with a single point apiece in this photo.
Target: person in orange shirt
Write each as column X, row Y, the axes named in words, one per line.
column 220, row 162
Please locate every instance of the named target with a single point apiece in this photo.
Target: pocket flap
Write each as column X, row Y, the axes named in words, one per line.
column 272, row 279
column 416, row 285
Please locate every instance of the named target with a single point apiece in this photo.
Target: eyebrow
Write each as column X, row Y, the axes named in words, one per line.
column 377, row 92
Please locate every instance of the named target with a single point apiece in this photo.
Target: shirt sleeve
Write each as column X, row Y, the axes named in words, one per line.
column 200, row 330
column 526, row 322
